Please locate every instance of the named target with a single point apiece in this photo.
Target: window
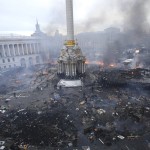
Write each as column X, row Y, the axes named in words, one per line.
column 3, row 60
column 8, row 60
column 4, row 66
column 13, row 59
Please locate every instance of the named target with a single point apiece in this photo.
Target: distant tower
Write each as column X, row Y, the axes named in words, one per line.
column 71, row 62
column 38, row 32
column 37, row 27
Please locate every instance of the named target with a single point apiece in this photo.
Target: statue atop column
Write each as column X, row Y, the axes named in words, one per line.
column 71, row 62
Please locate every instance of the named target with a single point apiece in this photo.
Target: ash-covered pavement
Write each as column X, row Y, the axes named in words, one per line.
column 105, row 114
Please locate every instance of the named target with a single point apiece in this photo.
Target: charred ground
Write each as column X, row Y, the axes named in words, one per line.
column 111, row 111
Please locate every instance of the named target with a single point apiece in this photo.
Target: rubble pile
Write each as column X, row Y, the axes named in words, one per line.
column 111, row 111
column 40, row 128
column 129, row 120
column 118, row 77
column 21, row 79
column 43, row 78
column 110, row 121
column 15, row 80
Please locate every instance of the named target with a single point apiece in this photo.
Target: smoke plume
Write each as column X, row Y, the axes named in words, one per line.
column 136, row 28
column 135, row 14
column 58, row 19
column 91, row 23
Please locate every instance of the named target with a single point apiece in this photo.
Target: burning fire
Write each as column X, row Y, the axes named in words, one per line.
column 95, row 62
column 137, row 51
column 87, row 62
column 112, row 65
column 101, row 63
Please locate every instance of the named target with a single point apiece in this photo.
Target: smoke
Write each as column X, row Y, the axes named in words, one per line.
column 112, row 53
column 95, row 17
column 91, row 23
column 57, row 18
column 136, row 28
column 52, row 27
column 135, row 14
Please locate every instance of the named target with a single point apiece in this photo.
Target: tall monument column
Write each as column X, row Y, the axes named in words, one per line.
column 70, row 26
column 71, row 55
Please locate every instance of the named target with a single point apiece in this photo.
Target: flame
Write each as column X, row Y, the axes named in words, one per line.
column 87, row 62
column 137, row 51
column 101, row 63
column 95, row 62
column 112, row 65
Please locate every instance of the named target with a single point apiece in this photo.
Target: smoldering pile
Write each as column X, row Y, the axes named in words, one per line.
column 123, row 78
column 40, row 128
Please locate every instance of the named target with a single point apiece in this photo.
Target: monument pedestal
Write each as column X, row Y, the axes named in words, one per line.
column 69, row 83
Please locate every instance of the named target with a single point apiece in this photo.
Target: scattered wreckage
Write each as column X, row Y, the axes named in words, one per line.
column 112, row 106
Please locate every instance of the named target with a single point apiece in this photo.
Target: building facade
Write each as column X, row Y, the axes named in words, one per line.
column 21, row 51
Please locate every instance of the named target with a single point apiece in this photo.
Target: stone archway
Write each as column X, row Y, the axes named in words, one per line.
column 23, row 63
column 30, row 61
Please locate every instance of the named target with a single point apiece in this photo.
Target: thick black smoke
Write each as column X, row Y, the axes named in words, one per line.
column 135, row 16
column 97, row 18
column 136, row 29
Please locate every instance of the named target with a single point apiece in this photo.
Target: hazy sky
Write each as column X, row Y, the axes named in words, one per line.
column 19, row 16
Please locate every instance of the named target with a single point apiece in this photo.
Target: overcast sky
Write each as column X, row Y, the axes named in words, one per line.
column 19, row 16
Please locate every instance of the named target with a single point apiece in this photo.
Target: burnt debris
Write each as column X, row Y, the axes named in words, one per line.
column 111, row 110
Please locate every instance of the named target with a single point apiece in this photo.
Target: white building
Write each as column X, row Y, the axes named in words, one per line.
column 21, row 51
